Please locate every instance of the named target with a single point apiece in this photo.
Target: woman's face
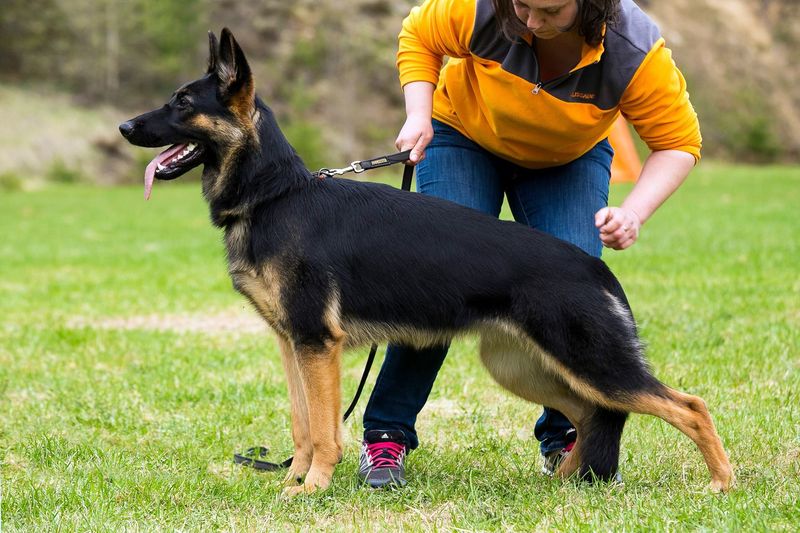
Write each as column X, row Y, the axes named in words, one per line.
column 547, row 18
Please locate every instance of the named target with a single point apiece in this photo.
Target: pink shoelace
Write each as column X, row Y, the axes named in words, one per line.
column 385, row 454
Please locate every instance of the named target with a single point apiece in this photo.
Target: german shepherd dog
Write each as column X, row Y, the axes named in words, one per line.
column 334, row 263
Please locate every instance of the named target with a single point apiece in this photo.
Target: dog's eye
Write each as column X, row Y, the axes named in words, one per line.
column 183, row 102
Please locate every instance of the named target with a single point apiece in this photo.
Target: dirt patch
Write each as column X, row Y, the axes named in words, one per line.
column 233, row 321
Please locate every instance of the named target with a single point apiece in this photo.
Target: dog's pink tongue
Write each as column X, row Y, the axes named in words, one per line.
column 150, row 171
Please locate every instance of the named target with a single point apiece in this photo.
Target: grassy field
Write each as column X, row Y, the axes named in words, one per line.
column 130, row 372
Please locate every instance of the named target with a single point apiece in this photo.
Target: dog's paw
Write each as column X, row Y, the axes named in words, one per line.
column 306, row 488
column 292, row 479
column 722, row 485
column 315, row 481
column 718, row 487
column 293, row 492
column 295, row 476
column 723, row 482
column 301, row 464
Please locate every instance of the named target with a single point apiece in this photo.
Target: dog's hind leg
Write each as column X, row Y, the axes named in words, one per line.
column 690, row 415
column 599, row 417
column 685, row 412
column 301, row 434
column 518, row 366
column 600, row 357
column 596, row 451
column 319, row 370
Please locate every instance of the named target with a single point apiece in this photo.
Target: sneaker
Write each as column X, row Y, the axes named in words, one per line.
column 382, row 457
column 554, row 458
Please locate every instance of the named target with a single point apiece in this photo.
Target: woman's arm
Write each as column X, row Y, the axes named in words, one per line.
column 435, row 29
column 417, row 131
column 663, row 172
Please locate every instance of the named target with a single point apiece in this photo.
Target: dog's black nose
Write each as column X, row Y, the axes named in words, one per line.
column 126, row 128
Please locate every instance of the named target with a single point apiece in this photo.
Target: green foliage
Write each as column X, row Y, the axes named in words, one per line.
column 169, row 44
column 750, row 127
column 303, row 133
column 740, row 125
column 59, row 172
column 309, row 54
column 760, row 140
column 9, row 181
column 307, row 140
column 123, row 394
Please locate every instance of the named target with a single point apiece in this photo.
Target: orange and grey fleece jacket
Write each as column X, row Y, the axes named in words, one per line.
column 490, row 89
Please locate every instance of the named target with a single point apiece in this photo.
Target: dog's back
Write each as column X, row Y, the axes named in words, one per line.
column 370, row 233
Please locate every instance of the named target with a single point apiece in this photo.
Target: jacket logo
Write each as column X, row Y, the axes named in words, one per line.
column 577, row 95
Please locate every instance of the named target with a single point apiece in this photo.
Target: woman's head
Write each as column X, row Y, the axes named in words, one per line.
column 548, row 18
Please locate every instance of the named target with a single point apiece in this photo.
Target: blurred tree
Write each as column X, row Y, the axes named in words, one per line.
column 25, row 47
column 84, row 46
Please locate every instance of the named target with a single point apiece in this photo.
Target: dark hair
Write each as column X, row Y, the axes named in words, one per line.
column 592, row 14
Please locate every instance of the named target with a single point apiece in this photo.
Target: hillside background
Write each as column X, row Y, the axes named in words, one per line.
column 71, row 70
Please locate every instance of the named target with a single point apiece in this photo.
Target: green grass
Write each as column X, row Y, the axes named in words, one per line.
column 123, row 396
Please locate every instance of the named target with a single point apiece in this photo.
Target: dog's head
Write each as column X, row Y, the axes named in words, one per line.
column 207, row 121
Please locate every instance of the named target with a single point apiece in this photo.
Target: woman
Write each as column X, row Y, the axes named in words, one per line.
column 522, row 109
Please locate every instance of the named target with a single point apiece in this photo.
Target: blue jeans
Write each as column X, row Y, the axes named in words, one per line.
column 560, row 200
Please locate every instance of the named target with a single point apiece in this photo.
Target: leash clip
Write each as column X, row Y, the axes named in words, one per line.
column 355, row 166
column 331, row 172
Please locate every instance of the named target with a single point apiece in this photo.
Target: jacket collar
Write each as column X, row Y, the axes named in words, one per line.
column 591, row 54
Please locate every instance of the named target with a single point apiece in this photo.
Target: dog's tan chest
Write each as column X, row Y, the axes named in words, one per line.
column 261, row 284
column 262, row 288
column 237, row 242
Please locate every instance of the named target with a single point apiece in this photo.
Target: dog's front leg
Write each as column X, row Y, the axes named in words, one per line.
column 319, row 369
column 301, row 435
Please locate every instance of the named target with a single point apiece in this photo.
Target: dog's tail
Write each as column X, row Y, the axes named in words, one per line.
column 600, row 437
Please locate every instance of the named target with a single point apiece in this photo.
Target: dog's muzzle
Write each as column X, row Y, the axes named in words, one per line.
column 126, row 128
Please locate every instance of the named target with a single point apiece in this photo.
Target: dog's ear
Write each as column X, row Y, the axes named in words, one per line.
column 235, row 78
column 213, row 53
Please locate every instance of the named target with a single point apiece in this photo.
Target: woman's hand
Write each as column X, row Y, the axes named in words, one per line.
column 415, row 135
column 663, row 172
column 619, row 227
